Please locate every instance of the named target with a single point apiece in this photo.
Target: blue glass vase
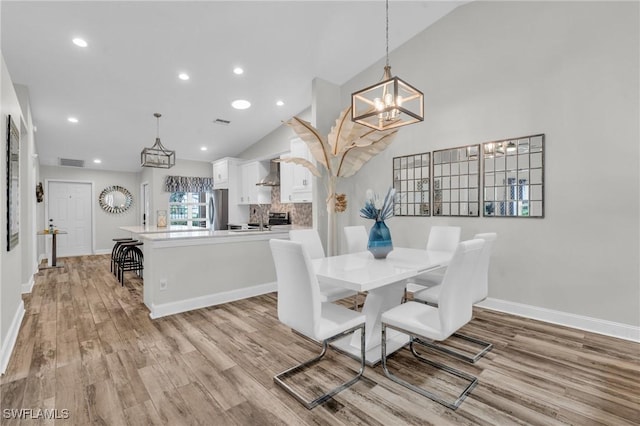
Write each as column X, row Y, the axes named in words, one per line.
column 380, row 244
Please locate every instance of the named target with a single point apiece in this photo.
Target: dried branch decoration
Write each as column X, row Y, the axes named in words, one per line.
column 348, row 147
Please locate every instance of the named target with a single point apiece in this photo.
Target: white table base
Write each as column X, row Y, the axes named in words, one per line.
column 378, row 301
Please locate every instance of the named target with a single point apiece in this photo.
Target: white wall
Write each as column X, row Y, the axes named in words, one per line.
column 11, row 306
column 494, row 70
column 211, row 270
column 157, row 177
column 28, row 171
column 106, row 224
column 274, row 143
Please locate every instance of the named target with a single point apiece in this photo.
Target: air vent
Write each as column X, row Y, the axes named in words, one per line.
column 222, row 122
column 71, row 162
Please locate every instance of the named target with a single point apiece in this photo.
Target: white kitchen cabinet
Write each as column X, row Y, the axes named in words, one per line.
column 226, row 175
column 302, row 179
column 250, row 193
column 286, row 180
column 221, row 173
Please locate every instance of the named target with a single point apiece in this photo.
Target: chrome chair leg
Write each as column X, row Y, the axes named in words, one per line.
column 452, row 405
column 279, row 379
column 486, row 347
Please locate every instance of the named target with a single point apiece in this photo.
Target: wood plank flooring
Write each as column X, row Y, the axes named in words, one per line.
column 87, row 345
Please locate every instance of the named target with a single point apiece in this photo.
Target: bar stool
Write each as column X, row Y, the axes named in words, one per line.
column 129, row 258
column 116, row 246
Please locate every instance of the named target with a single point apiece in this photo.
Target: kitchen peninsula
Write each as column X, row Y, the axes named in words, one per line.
column 195, row 269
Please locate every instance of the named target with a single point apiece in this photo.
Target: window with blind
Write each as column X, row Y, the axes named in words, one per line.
column 189, row 208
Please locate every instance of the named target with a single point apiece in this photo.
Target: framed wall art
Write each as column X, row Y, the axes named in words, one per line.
column 13, row 184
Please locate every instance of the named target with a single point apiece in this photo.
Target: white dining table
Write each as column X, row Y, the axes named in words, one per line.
column 384, row 280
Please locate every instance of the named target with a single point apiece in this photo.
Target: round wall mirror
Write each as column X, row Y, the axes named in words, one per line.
column 115, row 199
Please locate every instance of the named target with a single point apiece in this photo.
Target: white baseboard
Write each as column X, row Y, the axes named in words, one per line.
column 27, row 287
column 10, row 341
column 594, row 325
column 102, row 251
column 172, row 308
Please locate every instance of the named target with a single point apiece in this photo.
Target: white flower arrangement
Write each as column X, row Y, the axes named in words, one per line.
column 377, row 210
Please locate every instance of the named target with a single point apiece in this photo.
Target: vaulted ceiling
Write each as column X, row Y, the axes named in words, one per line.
column 136, row 50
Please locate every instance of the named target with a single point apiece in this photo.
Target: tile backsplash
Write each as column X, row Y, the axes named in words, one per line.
column 300, row 213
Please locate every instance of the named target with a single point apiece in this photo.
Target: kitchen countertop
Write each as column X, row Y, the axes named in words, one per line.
column 139, row 229
column 208, row 234
column 146, row 229
column 205, row 237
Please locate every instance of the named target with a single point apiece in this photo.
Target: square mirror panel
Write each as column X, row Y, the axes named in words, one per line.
column 456, row 181
column 513, row 176
column 411, row 174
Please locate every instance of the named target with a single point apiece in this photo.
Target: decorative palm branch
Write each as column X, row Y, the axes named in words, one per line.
column 349, row 145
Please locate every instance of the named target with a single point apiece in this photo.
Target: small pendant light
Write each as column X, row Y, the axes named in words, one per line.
column 158, row 156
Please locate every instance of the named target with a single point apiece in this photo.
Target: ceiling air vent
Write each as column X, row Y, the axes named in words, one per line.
column 221, row 122
column 71, row 162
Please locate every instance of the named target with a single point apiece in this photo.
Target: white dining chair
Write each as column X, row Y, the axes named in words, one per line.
column 423, row 322
column 479, row 292
column 441, row 239
column 356, row 238
column 311, row 241
column 300, row 307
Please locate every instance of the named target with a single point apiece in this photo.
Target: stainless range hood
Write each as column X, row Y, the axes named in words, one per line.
column 273, row 178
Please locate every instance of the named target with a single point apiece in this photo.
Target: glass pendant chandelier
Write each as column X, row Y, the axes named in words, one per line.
column 158, row 156
column 390, row 103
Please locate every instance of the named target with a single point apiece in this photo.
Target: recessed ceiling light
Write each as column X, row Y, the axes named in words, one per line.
column 80, row 42
column 238, row 70
column 97, row 161
column 183, row 76
column 240, row 104
column 279, row 103
column 72, row 120
column 203, row 148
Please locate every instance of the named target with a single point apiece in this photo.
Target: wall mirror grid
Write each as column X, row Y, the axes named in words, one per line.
column 514, row 177
column 411, row 181
column 456, row 180
column 115, row 199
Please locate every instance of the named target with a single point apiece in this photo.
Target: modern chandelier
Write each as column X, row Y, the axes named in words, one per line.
column 390, row 103
column 158, row 156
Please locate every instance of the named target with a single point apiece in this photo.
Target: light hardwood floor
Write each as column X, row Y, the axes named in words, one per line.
column 87, row 345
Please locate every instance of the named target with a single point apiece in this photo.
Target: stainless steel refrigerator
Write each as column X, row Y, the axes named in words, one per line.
column 219, row 209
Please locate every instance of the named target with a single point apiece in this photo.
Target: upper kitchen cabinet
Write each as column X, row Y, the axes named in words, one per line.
column 296, row 181
column 224, row 171
column 286, row 180
column 250, row 175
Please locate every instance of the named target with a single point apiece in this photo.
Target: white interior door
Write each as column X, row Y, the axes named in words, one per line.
column 70, row 208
